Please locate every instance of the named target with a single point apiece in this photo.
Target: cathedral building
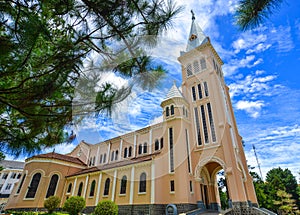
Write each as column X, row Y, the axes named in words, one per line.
column 174, row 162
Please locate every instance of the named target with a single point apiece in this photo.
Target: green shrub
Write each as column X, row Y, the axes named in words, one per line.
column 106, row 207
column 52, row 203
column 74, row 205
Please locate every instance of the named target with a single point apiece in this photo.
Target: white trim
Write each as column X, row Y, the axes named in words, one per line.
column 114, row 186
column 65, row 163
column 97, row 156
column 74, row 188
column 131, row 185
column 169, row 150
column 57, row 184
column 25, row 198
column 152, row 182
column 88, row 156
column 189, row 150
column 134, row 146
column 120, row 150
column 108, row 153
column 150, row 141
column 85, row 186
column 98, row 188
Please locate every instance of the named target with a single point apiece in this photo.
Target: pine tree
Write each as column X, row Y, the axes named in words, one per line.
column 252, row 13
column 44, row 49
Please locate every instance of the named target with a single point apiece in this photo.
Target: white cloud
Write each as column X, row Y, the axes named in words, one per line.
column 259, row 48
column 251, row 107
column 61, row 148
column 282, row 38
column 276, row 147
column 251, row 86
column 233, row 65
column 250, row 42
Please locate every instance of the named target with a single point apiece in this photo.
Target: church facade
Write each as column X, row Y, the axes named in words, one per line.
column 175, row 161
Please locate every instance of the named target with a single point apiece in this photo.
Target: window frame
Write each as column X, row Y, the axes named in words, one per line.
column 143, row 183
column 80, row 187
column 123, row 185
column 33, row 187
column 92, row 189
column 53, row 185
column 172, row 186
column 69, row 187
column 106, row 187
column 172, row 110
column 21, row 184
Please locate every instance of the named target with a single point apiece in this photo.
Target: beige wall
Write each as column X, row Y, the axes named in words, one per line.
column 47, row 169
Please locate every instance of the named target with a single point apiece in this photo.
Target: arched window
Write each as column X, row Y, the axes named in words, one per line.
column 205, row 88
column 19, row 176
column 80, row 189
column 156, row 145
column 92, row 190
column 140, row 149
column 123, row 185
column 117, row 155
column 145, row 148
column 142, row 185
column 167, row 111
column 69, row 188
column 189, row 71
column 101, row 157
column 94, row 160
column 161, row 143
column 196, row 66
column 125, row 152
column 106, row 187
column 104, row 158
column 172, row 109
column 130, row 151
column 33, row 185
column 112, row 155
column 52, row 186
column 203, row 63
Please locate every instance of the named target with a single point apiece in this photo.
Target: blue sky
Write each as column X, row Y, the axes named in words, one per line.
column 260, row 67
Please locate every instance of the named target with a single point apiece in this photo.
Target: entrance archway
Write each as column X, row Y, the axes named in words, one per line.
column 207, row 176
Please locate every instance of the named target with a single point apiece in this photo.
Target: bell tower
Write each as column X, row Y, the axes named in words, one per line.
column 215, row 142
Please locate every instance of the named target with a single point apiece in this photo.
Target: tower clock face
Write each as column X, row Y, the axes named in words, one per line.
column 79, row 153
column 193, row 36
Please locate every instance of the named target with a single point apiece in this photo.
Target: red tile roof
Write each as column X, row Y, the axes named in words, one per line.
column 53, row 155
column 115, row 164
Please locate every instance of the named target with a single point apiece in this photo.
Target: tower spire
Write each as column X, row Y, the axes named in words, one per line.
column 196, row 36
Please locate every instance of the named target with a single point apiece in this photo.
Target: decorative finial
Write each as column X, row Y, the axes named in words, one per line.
column 193, row 15
column 174, row 82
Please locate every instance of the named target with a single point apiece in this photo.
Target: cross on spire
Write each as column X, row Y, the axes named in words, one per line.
column 193, row 15
column 196, row 36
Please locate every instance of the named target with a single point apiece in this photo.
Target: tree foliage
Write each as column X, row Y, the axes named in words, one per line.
column 223, row 190
column 285, row 203
column 52, row 203
column 279, row 189
column 43, row 62
column 106, row 207
column 74, row 205
column 2, row 157
column 279, row 179
column 252, row 13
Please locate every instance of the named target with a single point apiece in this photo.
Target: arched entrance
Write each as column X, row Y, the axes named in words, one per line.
column 207, row 177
